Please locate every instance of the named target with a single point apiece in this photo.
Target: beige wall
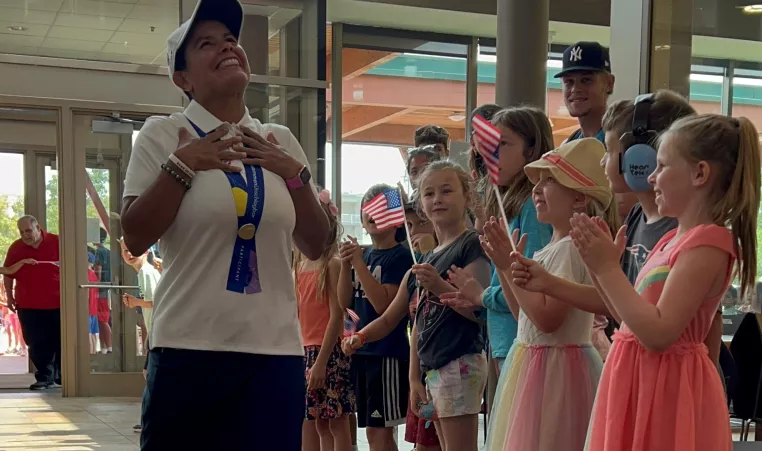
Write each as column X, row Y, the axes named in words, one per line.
column 87, row 84
column 22, row 135
column 25, row 134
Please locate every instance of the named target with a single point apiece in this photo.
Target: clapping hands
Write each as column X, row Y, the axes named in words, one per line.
column 350, row 252
column 469, row 294
column 497, row 245
column 592, row 238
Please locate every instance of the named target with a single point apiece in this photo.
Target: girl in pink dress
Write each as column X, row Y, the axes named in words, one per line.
column 659, row 389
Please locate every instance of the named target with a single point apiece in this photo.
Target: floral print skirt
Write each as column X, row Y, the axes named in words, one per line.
column 337, row 398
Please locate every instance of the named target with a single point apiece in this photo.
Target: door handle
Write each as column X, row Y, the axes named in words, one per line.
column 111, row 287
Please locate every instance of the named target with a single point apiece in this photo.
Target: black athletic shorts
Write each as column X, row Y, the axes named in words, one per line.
column 381, row 385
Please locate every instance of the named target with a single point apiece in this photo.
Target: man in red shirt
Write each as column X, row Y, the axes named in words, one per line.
column 37, row 299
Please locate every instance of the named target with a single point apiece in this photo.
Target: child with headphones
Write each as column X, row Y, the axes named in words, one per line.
column 631, row 129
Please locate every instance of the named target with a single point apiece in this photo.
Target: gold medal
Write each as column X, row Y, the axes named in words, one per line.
column 247, row 231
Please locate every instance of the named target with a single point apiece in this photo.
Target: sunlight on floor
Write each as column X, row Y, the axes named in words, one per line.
column 32, row 421
column 42, row 422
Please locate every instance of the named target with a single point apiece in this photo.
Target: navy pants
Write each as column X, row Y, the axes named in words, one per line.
column 42, row 333
column 204, row 400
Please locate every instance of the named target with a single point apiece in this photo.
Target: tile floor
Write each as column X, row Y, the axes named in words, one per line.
column 34, row 421
column 42, row 422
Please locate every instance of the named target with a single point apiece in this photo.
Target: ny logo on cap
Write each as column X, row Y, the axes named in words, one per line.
column 576, row 54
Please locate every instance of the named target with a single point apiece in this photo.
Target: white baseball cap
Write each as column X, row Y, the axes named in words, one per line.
column 228, row 12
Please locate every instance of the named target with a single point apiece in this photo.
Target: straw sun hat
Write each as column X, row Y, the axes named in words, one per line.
column 576, row 165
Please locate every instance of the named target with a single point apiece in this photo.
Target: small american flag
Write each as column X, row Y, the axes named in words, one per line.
column 487, row 139
column 386, row 210
column 350, row 323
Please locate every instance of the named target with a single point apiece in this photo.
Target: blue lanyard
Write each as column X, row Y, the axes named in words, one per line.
column 249, row 199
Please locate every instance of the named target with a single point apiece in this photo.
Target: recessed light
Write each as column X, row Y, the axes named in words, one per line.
column 457, row 117
column 752, row 9
column 17, row 28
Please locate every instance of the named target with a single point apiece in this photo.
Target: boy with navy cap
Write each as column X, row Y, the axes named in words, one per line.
column 587, row 83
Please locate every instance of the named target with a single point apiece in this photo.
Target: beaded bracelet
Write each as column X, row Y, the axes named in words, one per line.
column 172, row 165
column 186, row 184
column 363, row 338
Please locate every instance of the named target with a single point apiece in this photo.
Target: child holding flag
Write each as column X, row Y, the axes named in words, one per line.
column 524, row 136
column 447, row 343
column 380, row 370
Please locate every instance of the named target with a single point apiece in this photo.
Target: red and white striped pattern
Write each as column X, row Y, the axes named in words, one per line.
column 350, row 323
column 569, row 169
column 386, row 210
column 487, row 139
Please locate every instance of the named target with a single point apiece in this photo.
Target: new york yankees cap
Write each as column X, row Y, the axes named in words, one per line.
column 585, row 57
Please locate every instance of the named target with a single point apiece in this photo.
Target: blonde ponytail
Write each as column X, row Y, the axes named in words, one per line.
column 733, row 145
column 742, row 202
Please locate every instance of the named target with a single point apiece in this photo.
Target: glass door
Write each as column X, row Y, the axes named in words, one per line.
column 14, row 363
column 115, row 334
column 24, row 133
column 110, row 336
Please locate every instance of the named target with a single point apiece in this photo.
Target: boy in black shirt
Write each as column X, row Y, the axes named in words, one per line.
column 380, row 369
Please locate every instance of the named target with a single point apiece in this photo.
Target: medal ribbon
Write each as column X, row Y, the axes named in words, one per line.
column 249, row 198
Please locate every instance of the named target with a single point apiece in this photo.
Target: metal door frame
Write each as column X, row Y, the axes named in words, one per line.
column 71, row 164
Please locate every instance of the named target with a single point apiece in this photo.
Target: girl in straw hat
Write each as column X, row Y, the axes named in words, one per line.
column 552, row 370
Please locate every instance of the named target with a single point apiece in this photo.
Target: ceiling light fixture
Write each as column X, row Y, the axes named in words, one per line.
column 456, row 117
column 17, row 28
column 752, row 9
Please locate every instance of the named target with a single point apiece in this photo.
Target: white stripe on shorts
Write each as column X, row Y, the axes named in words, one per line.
column 391, row 374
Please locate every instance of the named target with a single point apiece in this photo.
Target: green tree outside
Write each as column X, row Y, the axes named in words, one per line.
column 101, row 182
column 11, row 208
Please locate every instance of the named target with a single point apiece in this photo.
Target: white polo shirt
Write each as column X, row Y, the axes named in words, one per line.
column 192, row 307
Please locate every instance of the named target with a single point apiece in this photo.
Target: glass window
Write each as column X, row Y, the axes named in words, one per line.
column 747, row 93
column 725, row 78
column 12, row 346
column 394, row 83
column 706, row 86
column 563, row 124
column 388, row 168
column 282, row 34
column 294, row 107
column 11, row 199
column 277, row 38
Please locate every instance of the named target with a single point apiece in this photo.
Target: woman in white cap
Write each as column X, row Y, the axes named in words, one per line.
column 228, row 196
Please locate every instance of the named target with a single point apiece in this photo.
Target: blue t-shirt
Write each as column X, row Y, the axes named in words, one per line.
column 501, row 324
column 600, row 136
column 388, row 266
